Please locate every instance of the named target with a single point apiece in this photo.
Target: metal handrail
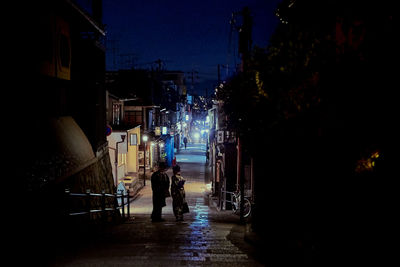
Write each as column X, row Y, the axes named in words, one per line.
column 103, row 195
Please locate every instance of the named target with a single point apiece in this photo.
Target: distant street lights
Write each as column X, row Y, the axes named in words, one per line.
column 145, row 139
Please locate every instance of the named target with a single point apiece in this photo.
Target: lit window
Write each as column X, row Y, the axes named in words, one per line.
column 116, row 113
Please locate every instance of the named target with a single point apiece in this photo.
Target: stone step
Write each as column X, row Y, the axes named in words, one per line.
column 132, row 184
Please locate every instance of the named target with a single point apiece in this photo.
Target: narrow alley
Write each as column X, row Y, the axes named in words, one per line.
column 282, row 110
column 206, row 237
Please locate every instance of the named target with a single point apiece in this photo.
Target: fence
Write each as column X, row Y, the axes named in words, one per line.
column 90, row 209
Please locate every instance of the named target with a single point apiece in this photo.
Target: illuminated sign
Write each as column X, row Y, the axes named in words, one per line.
column 157, row 131
column 220, row 137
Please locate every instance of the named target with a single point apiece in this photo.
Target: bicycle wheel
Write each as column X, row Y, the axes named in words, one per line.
column 235, row 204
column 246, row 208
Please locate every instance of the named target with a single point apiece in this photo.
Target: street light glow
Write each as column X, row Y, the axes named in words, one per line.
column 196, row 135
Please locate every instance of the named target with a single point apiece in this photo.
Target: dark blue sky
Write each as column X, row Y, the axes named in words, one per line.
column 187, row 35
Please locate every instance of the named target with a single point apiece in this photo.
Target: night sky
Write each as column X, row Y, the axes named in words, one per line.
column 186, row 35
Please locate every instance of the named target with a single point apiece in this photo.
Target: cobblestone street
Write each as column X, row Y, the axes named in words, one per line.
column 206, row 237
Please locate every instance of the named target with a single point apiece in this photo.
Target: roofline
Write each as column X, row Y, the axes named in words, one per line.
column 87, row 17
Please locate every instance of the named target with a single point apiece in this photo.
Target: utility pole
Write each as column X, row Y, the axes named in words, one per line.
column 245, row 43
column 159, row 63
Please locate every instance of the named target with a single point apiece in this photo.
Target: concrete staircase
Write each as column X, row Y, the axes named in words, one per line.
column 133, row 183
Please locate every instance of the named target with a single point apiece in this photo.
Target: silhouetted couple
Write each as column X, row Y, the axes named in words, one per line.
column 160, row 186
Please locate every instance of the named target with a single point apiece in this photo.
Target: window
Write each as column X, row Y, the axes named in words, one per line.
column 133, row 139
column 116, row 113
column 133, row 117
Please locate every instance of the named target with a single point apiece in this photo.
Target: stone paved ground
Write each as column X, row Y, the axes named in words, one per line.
column 206, row 237
column 201, row 240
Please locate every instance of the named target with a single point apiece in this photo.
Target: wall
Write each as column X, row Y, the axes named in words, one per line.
column 96, row 177
column 122, row 149
column 133, row 150
column 65, row 160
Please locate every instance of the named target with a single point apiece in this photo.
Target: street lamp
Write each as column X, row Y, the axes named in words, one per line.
column 145, row 139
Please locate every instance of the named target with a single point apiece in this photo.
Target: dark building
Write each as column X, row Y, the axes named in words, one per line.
column 57, row 75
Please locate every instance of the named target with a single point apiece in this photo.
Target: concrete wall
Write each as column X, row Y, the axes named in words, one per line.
column 64, row 160
column 96, row 177
column 133, row 150
column 121, row 165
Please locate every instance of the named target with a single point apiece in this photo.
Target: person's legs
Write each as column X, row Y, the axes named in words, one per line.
column 177, row 208
column 156, row 214
column 179, row 217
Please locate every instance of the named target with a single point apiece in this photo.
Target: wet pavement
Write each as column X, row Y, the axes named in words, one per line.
column 206, row 237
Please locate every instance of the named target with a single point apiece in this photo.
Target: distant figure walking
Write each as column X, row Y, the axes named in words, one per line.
column 179, row 203
column 160, row 187
column 185, row 141
column 207, row 154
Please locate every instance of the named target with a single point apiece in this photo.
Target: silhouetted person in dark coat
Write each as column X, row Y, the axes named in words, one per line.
column 185, row 141
column 160, row 186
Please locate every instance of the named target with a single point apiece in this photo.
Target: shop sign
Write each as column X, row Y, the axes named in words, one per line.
column 220, row 137
column 157, row 131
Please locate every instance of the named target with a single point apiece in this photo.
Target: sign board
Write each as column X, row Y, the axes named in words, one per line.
column 157, row 131
column 220, row 137
column 108, row 130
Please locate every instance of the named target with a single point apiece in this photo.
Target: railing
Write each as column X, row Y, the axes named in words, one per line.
column 224, row 200
column 90, row 209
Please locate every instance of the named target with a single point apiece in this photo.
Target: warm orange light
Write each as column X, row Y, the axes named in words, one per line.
column 375, row 155
column 367, row 164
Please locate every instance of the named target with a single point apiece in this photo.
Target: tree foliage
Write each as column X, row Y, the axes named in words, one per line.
column 319, row 77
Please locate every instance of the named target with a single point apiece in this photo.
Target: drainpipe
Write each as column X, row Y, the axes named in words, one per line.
column 116, row 158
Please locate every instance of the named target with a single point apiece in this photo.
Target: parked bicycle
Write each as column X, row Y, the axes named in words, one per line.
column 236, row 197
